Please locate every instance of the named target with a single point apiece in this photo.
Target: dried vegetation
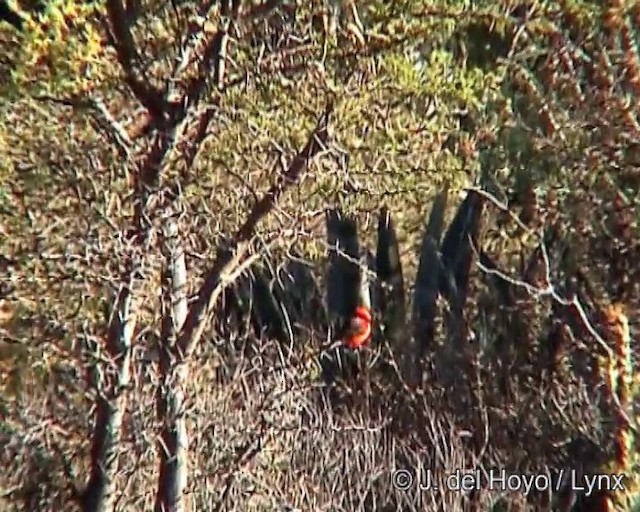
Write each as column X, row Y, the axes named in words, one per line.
column 168, row 297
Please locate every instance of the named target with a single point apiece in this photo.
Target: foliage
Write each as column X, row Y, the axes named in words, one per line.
column 535, row 103
column 60, row 51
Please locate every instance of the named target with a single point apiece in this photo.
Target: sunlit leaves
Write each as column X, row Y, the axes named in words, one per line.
column 61, row 51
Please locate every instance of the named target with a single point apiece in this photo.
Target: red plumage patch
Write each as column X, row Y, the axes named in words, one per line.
column 359, row 329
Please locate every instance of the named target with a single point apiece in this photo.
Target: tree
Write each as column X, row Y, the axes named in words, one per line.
column 152, row 153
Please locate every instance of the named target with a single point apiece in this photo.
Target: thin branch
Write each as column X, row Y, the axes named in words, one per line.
column 100, row 494
column 219, row 275
column 180, row 334
column 124, row 45
column 549, row 290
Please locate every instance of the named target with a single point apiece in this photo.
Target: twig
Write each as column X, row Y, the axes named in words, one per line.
column 227, row 261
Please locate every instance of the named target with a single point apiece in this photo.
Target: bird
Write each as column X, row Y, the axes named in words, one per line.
column 358, row 329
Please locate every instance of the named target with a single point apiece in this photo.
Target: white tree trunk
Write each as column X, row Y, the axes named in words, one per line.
column 174, row 442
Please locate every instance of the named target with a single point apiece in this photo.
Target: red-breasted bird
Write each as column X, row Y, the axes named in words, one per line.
column 358, row 330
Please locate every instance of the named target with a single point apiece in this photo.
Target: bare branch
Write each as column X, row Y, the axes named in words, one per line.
column 125, row 48
column 174, row 441
column 549, row 290
column 175, row 348
column 99, row 494
column 218, row 277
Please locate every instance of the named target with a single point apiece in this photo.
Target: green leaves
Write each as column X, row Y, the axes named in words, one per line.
column 59, row 51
